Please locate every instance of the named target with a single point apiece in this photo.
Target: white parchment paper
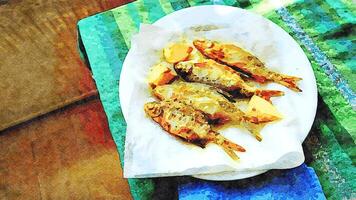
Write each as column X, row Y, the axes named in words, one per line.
column 151, row 152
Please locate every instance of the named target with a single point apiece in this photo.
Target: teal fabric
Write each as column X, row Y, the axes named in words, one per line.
column 323, row 28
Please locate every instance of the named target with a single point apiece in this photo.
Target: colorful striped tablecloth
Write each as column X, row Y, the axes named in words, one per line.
column 323, row 28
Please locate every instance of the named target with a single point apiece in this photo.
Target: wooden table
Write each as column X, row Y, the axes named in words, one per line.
column 54, row 138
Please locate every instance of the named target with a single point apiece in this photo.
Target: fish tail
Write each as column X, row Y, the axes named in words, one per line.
column 289, row 82
column 228, row 146
column 285, row 80
column 267, row 94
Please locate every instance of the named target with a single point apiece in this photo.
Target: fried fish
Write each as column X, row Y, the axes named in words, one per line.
column 221, row 76
column 189, row 124
column 243, row 61
column 217, row 108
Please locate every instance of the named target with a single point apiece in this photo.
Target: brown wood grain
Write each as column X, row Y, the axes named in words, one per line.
column 68, row 154
column 40, row 68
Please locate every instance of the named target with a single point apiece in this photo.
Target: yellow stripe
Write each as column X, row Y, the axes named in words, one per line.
column 142, row 11
column 267, row 6
column 126, row 24
column 166, row 6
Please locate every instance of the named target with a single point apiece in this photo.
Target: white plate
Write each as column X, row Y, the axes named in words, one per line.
column 223, row 16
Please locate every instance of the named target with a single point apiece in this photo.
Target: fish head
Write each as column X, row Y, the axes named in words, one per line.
column 153, row 109
column 203, row 45
column 163, row 92
column 184, row 69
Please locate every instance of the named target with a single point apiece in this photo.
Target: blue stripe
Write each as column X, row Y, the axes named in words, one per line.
column 112, row 42
column 319, row 56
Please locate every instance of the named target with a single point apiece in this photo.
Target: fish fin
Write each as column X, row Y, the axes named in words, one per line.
column 222, row 141
column 227, row 95
column 232, row 146
column 231, row 153
column 260, row 119
column 257, row 135
column 228, row 146
column 254, row 129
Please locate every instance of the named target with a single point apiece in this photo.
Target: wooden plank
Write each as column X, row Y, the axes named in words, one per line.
column 68, row 154
column 40, row 68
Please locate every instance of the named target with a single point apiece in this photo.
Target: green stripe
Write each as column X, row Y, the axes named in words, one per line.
column 155, row 10
column 342, row 54
column 114, row 50
column 333, row 167
column 342, row 10
column 338, row 105
column 141, row 11
column 255, row 2
column 131, row 9
column 342, row 44
column 312, row 17
column 166, row 6
column 330, row 11
column 199, row 2
column 351, row 6
column 233, row 3
column 106, row 82
column 340, row 133
column 98, row 58
column 128, row 26
column 345, row 30
column 323, row 27
column 347, row 67
column 244, row 3
column 339, row 52
column 179, row 4
column 352, row 65
column 116, row 43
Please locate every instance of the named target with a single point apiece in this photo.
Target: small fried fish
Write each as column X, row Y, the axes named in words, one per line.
column 183, row 121
column 221, row 76
column 241, row 60
column 217, row 108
